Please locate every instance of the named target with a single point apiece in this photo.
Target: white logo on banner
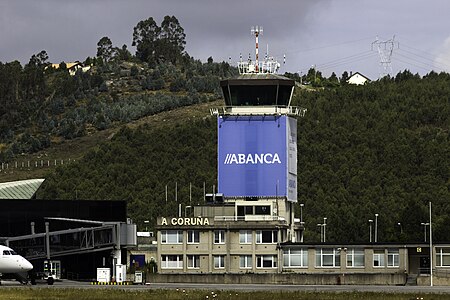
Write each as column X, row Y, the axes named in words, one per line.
column 245, row 159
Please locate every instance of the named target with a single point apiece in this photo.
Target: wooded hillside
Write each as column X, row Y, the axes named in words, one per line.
column 381, row 148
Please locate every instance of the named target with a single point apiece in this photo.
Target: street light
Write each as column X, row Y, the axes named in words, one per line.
column 376, row 227
column 370, row 230
column 431, row 249
column 146, row 223
column 321, row 230
column 301, row 213
column 425, row 230
column 324, row 229
column 401, row 228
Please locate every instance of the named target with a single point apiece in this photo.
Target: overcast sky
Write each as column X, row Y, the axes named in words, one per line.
column 333, row 35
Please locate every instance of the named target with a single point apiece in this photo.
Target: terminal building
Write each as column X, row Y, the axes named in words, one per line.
column 248, row 226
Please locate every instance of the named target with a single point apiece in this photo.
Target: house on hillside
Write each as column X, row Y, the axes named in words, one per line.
column 73, row 67
column 358, row 79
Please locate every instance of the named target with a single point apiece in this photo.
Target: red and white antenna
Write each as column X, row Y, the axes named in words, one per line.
column 268, row 65
column 256, row 30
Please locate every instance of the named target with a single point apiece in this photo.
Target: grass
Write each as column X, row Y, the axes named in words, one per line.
column 116, row 294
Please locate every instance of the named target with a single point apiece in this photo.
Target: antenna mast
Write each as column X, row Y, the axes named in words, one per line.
column 268, row 65
column 256, row 30
column 385, row 49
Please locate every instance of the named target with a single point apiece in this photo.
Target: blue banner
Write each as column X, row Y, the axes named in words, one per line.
column 252, row 156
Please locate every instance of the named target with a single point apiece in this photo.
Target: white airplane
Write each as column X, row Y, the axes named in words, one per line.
column 11, row 262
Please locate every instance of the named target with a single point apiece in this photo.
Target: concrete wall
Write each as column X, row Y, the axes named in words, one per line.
column 302, row 279
column 424, row 280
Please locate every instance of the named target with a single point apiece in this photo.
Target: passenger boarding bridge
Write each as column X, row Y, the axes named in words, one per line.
column 97, row 236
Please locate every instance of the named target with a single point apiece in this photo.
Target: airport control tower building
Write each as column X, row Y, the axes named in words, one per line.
column 245, row 222
column 257, row 142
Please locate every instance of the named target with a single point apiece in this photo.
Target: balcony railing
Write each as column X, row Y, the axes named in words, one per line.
column 248, row 218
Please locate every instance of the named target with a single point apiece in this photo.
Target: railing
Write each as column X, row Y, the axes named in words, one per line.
column 259, row 110
column 248, row 218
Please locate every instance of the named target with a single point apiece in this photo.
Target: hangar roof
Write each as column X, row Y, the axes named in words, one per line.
column 23, row 189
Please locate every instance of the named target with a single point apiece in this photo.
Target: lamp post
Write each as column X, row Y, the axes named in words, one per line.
column 301, row 223
column 146, row 223
column 401, row 228
column 321, row 230
column 376, row 227
column 431, row 250
column 370, row 230
column 425, row 230
column 301, row 213
column 324, row 229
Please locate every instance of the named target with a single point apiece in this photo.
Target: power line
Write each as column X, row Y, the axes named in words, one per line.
column 433, row 61
column 326, row 46
column 414, row 62
column 346, row 60
column 409, row 63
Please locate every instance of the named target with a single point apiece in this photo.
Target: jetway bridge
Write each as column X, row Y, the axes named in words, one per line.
column 97, row 236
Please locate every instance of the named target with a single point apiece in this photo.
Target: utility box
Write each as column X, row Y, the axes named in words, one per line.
column 121, row 273
column 103, row 274
column 138, row 277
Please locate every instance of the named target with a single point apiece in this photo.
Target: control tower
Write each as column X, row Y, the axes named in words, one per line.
column 249, row 218
column 257, row 139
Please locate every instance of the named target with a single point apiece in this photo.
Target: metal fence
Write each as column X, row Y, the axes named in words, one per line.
column 33, row 164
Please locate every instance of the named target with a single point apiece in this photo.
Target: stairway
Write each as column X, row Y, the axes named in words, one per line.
column 411, row 280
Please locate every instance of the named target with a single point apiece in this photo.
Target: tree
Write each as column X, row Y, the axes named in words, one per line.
column 39, row 59
column 123, row 54
column 145, row 38
column 105, row 49
column 172, row 39
column 344, row 77
column 33, row 78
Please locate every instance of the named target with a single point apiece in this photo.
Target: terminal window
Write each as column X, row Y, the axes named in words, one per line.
column 328, row 257
column 443, row 257
column 245, row 262
column 262, row 210
column 393, row 258
column 355, row 258
column 193, row 237
column 253, row 210
column 219, row 236
column 378, row 258
column 295, row 258
column 171, row 237
column 266, row 261
column 171, row 261
column 219, row 261
column 193, row 261
column 266, row 236
column 245, row 237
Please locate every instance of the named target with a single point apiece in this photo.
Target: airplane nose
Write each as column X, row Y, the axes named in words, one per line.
column 26, row 265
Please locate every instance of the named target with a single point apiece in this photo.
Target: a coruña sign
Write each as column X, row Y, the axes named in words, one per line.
column 196, row 221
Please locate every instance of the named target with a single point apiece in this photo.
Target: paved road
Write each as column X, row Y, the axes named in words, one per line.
column 248, row 287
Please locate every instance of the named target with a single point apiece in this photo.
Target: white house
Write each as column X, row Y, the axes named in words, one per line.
column 358, row 79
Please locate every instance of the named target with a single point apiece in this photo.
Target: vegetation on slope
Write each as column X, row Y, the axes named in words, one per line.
column 381, row 148
column 43, row 104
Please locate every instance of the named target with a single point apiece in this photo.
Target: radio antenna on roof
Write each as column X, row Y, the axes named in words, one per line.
column 269, row 65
